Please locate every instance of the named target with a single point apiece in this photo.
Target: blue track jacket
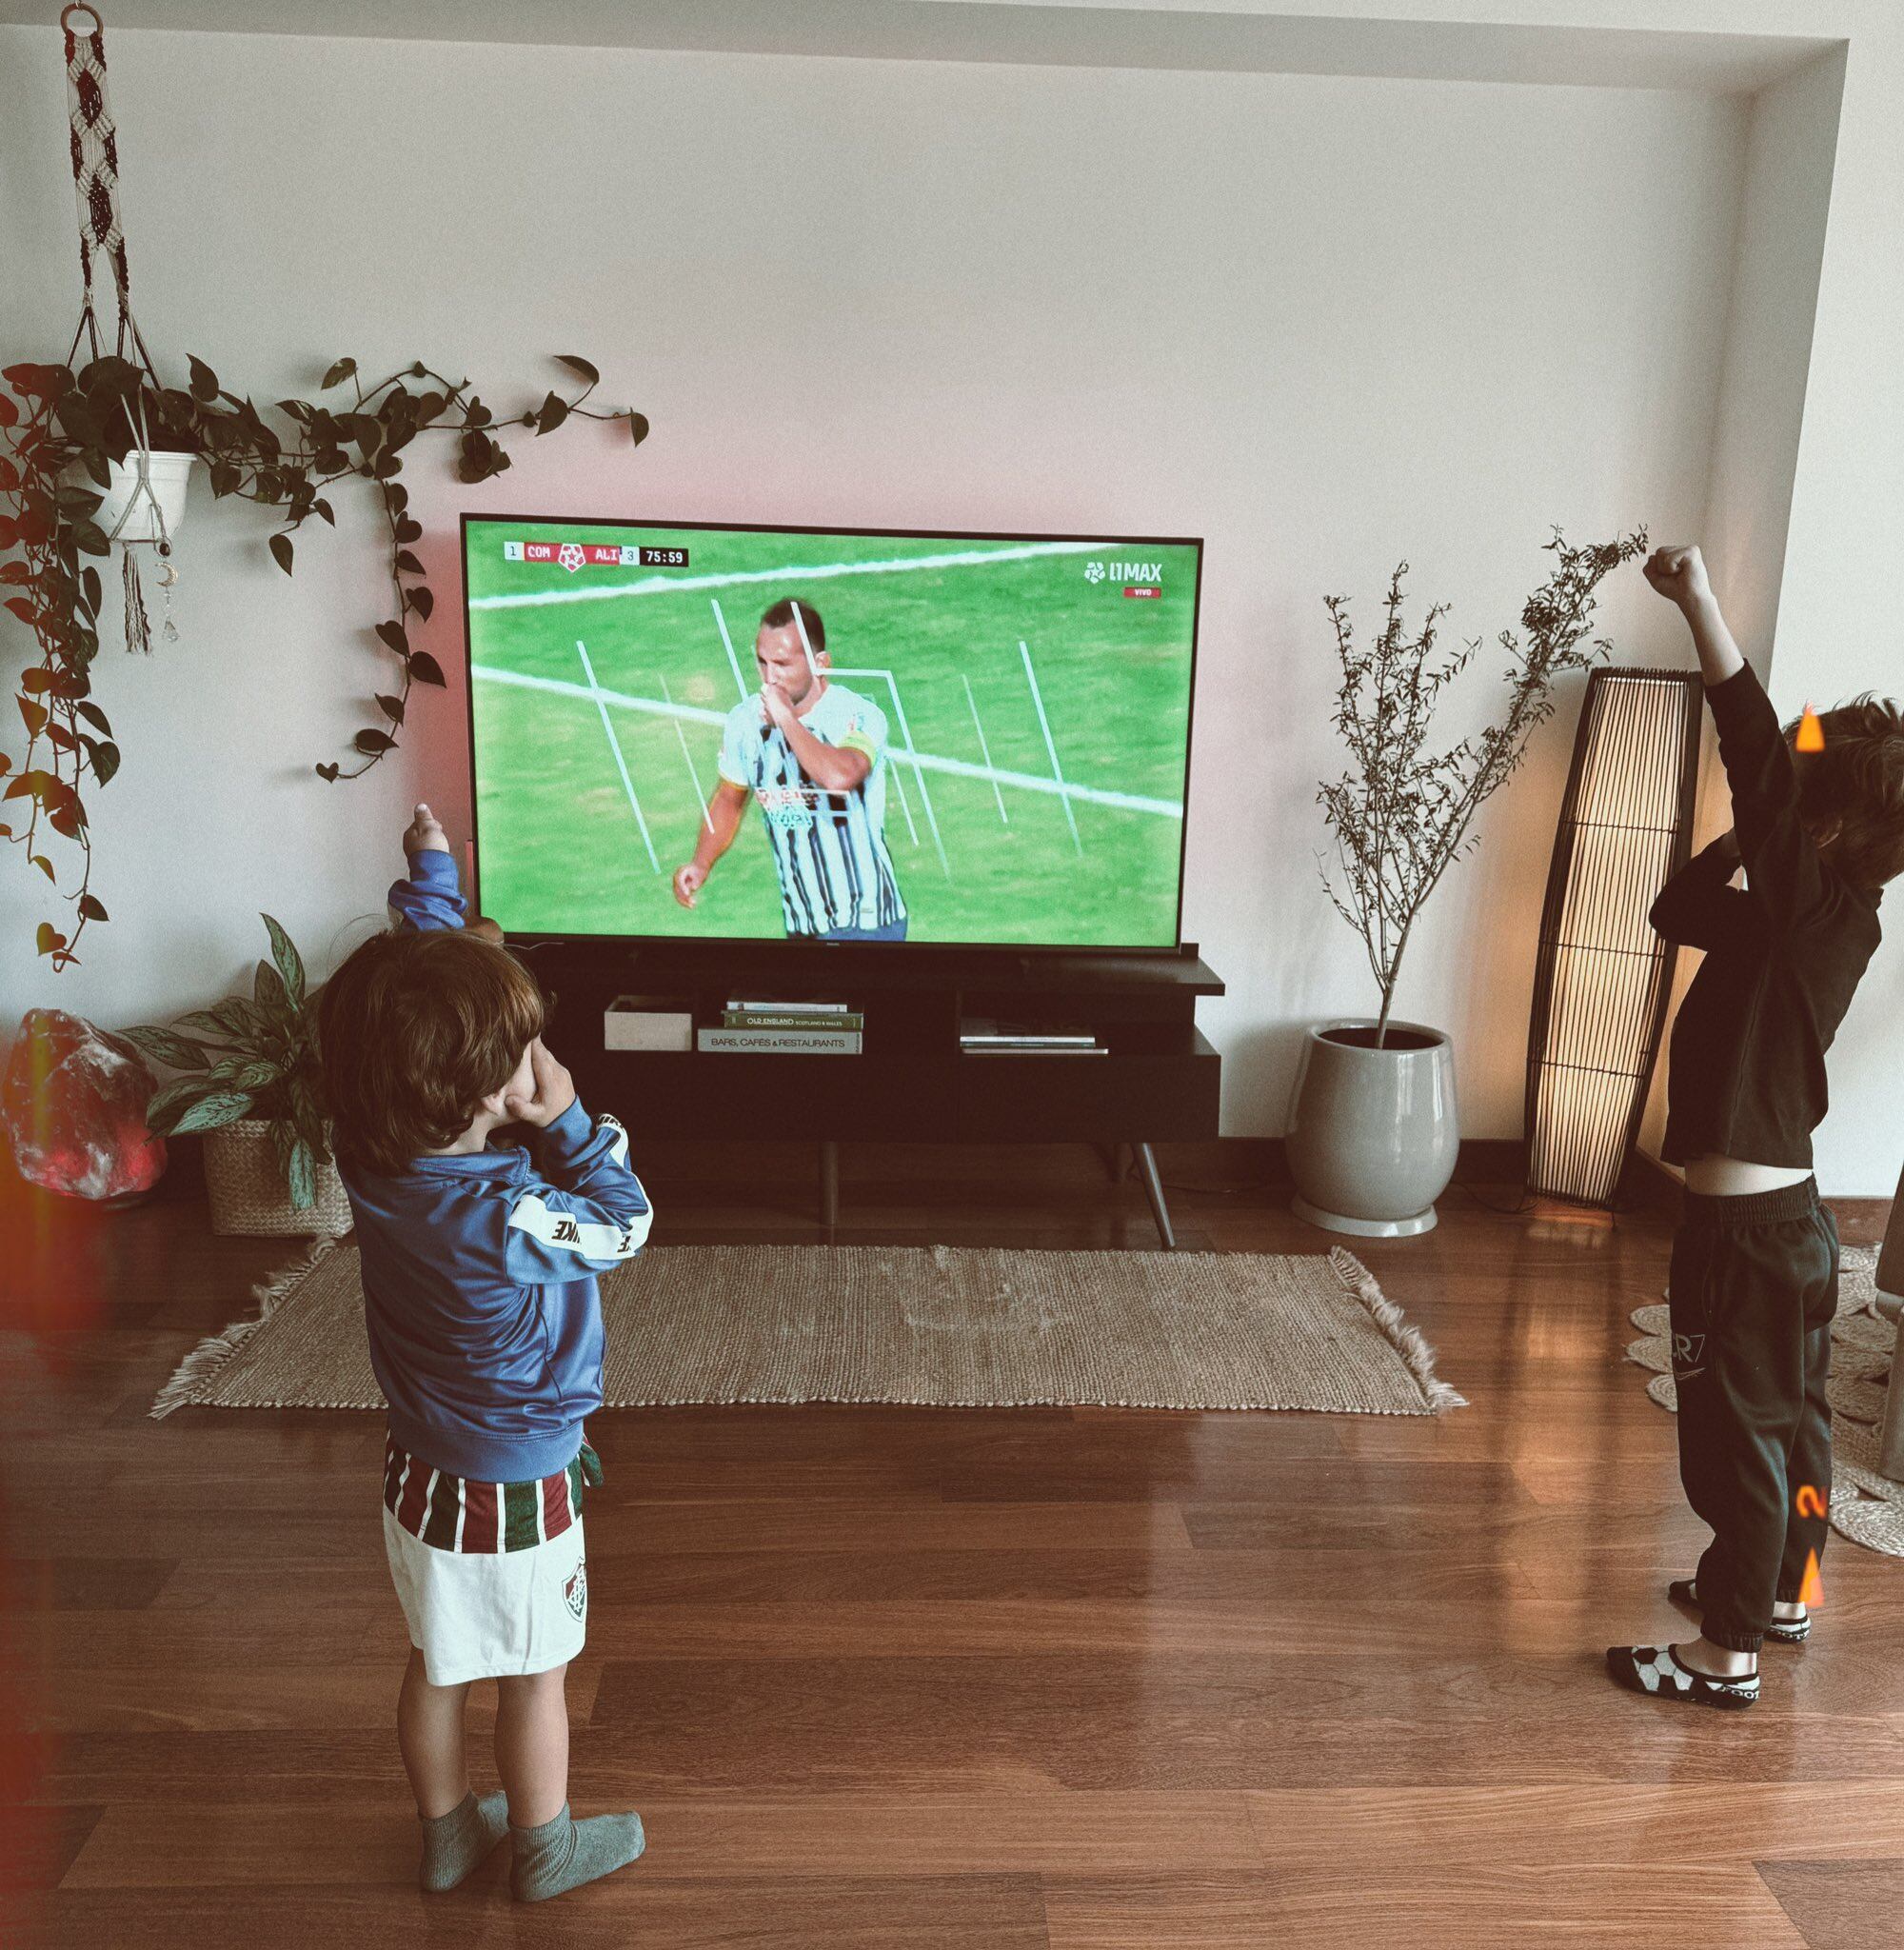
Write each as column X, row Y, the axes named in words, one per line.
column 479, row 1271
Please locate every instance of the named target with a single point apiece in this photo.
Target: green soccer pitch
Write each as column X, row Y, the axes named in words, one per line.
column 561, row 846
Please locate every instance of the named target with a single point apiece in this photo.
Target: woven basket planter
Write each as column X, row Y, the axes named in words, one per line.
column 248, row 1190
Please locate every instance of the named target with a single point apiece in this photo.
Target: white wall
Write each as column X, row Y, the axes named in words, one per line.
column 1836, row 614
column 1790, row 146
column 1840, row 630
column 1323, row 322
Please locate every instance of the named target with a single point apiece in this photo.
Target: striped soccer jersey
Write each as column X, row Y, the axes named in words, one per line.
column 457, row 1513
column 830, row 848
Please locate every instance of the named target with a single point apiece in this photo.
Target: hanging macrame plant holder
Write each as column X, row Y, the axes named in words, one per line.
column 145, row 500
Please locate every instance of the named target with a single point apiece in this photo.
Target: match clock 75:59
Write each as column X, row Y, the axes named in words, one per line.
column 664, row 558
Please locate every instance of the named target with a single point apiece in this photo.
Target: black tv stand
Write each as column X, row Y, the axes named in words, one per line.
column 1146, row 1168
column 1157, row 1081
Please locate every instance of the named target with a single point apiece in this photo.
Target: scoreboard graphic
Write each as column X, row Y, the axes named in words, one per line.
column 575, row 555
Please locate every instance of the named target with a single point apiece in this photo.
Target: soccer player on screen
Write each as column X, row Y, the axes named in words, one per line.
column 813, row 755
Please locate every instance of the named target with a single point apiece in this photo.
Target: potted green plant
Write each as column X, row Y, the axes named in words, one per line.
column 95, row 458
column 252, row 1083
column 1373, row 1132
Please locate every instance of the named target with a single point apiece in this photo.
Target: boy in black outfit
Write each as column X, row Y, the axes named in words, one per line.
column 1753, row 1282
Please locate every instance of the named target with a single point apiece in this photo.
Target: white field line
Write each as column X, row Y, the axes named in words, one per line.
column 919, row 761
column 665, row 584
column 904, row 803
column 596, row 692
column 727, row 644
column 985, row 745
column 1051, row 749
column 681, row 732
column 905, row 732
column 806, row 645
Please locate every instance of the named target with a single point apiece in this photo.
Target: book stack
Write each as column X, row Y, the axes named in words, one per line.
column 786, row 1029
column 981, row 1036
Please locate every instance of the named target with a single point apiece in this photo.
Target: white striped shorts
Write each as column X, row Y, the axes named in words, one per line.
column 493, row 1614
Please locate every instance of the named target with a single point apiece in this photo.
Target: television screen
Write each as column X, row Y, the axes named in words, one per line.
column 756, row 733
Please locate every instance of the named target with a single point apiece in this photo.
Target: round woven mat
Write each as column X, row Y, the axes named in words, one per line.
column 1867, row 1506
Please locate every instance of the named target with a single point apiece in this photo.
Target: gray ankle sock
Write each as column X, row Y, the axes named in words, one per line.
column 455, row 1844
column 564, row 1853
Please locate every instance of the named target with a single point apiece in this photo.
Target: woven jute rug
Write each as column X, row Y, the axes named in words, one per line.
column 1867, row 1506
column 938, row 1327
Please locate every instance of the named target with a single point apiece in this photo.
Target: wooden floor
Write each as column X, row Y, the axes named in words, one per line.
column 1094, row 1679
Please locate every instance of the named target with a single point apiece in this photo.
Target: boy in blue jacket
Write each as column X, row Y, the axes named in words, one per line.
column 479, row 1264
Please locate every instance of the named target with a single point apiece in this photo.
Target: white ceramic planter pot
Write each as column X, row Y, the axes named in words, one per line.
column 1373, row 1133
column 170, row 476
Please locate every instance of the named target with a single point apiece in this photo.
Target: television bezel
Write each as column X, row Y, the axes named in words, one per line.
column 877, row 950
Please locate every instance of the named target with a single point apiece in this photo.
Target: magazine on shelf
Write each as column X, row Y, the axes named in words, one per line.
column 738, row 1005
column 747, row 1019
column 982, row 1036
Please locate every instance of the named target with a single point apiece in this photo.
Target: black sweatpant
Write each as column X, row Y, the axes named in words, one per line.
column 1755, row 1285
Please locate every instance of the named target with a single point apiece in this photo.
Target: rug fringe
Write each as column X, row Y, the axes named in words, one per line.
column 1416, row 1355
column 189, row 1379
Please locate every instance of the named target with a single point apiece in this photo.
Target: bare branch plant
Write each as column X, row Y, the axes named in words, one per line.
column 1400, row 815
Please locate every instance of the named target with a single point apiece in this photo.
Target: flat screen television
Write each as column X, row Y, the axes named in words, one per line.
column 754, row 733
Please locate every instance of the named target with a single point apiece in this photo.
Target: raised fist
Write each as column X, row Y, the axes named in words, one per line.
column 1678, row 573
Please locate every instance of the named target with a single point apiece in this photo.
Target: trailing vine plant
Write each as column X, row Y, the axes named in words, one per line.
column 1400, row 816
column 61, row 432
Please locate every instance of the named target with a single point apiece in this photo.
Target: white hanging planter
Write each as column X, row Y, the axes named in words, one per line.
column 167, row 475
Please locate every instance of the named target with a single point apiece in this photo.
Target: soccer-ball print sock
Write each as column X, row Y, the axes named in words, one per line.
column 1653, row 1670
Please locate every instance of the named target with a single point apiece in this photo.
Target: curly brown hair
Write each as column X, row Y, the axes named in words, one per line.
column 1857, row 782
column 416, row 1029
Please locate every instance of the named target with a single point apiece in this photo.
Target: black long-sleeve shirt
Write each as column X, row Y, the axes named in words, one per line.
column 1746, row 1074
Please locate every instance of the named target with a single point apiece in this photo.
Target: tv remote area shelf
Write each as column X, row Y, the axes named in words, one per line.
column 1158, row 1082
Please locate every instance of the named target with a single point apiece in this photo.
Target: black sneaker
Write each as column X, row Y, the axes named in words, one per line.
column 1653, row 1670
